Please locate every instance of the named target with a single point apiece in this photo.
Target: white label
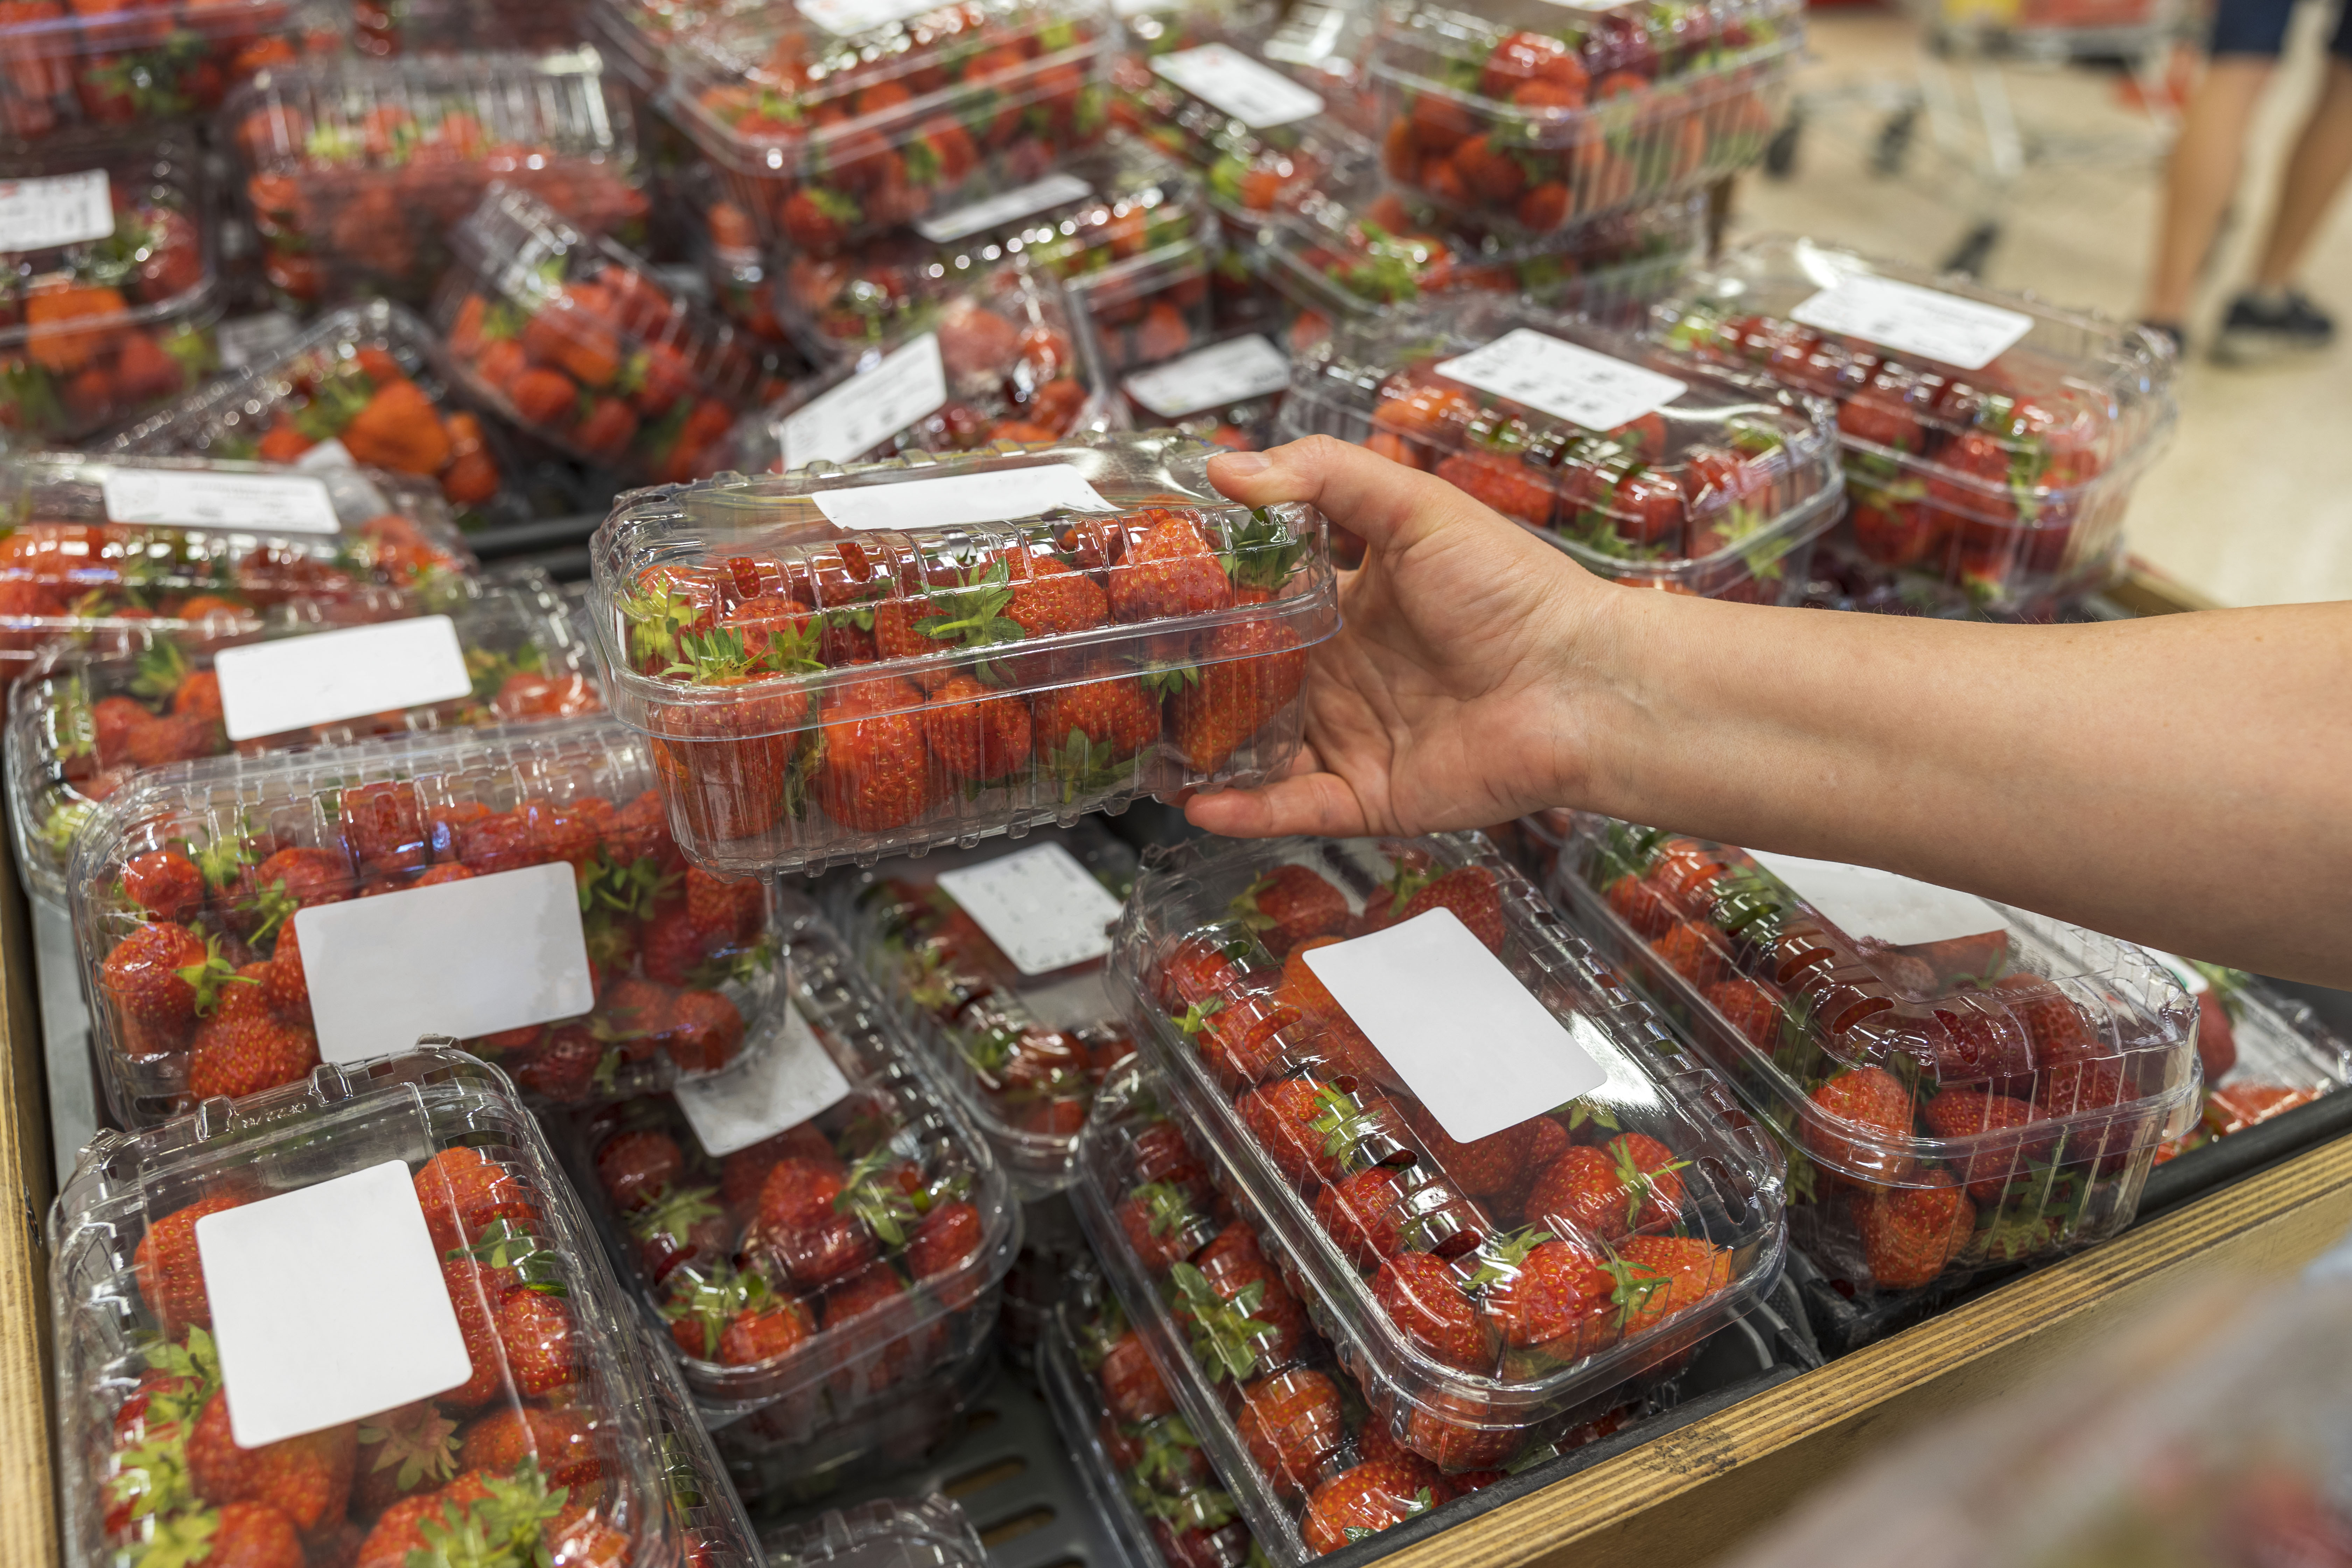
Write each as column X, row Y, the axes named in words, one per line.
column 1230, row 81
column 55, row 209
column 2182, row 969
column 1052, row 191
column 960, row 500
column 1468, row 1039
column 251, row 338
column 460, row 958
column 1230, row 372
column 1917, row 320
column 191, row 498
column 1563, row 380
column 1040, row 907
column 847, row 17
column 867, row 409
column 1863, row 900
column 270, row 688
column 328, row 1306
column 782, row 1085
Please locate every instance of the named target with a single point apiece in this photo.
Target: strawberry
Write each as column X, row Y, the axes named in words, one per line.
column 1292, row 1423
column 875, row 772
column 1245, row 1038
column 1693, row 951
column 462, row 1193
column 475, row 1289
column 401, row 1528
column 1247, row 673
column 1170, row 573
column 1604, row 1194
column 1162, row 1224
column 559, row 1438
column 1239, row 1315
column 1494, row 1166
column 236, row 1056
column 1362, row 1214
column 1289, row 905
column 1660, row 1277
column 684, row 1227
column 742, row 1173
column 735, row 907
column 164, row 883
column 977, row 734
column 1423, row 1295
column 1860, row 1122
column 308, row 1477
column 1157, row 1153
column 1050, row 599
column 673, row 946
column 633, row 1167
column 170, row 1276
column 941, row 1252
column 153, row 977
column 1083, row 732
column 1131, row 1388
column 704, row 1031
column 1982, row 1119
column 403, row 1452
column 1470, row 892
column 1910, row 1234
column 1748, row 1008
column 1552, row 1296
column 535, row 1334
column 564, row 1068
column 235, row 1536
column 1368, row 1498
column 1165, row 1457
column 1310, row 1129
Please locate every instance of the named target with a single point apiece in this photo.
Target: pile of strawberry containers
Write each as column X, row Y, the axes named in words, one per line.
column 357, row 169
column 115, row 69
column 1956, row 1083
column 108, row 294
column 993, row 957
column 1539, row 116
column 834, row 122
column 1487, row 1278
column 1643, row 469
column 105, row 549
column 364, row 1309
column 1991, row 441
column 845, row 662
column 473, row 652
column 821, row 1238
column 239, row 920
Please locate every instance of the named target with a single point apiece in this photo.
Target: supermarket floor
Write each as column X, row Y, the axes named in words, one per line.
column 2250, row 504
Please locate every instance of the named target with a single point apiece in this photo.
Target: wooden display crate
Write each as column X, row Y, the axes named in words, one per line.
column 1683, row 1497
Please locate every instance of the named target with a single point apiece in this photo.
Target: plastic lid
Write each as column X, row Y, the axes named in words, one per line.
column 109, row 70
column 1024, row 1037
column 1642, row 468
column 574, row 340
column 156, row 1294
column 1932, row 1038
column 675, row 968
column 888, row 1532
column 1639, row 1218
column 84, row 719
column 822, row 1231
column 964, row 631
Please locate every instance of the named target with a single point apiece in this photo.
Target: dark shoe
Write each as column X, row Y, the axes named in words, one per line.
column 2256, row 332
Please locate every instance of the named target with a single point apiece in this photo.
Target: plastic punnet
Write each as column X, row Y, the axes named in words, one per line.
column 1006, row 361
column 107, row 289
column 358, row 169
column 549, row 1443
column 80, row 567
column 889, row 1532
column 2007, row 477
column 1987, row 1095
column 827, row 138
column 1024, row 1037
column 1526, row 113
column 574, row 340
column 372, row 379
column 81, row 721
column 2263, row 1052
column 1260, row 141
column 838, row 1263
column 1120, row 214
column 63, row 71
column 209, row 868
column 1030, row 661
column 1483, row 1293
column 1709, row 482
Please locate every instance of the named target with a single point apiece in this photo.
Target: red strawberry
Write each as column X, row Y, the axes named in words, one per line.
column 1247, row 673
column 171, row 1277
column 1695, row 951
column 633, row 1167
column 1170, row 573
column 164, row 882
column 1639, row 906
column 461, row 1193
column 245, row 1055
column 147, row 977
column 1494, row 1166
column 940, row 1253
column 399, row 1531
column 1292, row 1424
column 1981, row 1119
column 1910, row 1234
column 704, row 1031
column 735, row 907
column 1361, row 1213
column 1748, row 1008
column 1131, row 1388
column 475, row 1289
column 1310, row 1129
column 1240, row 1316
column 1423, row 1295
column 977, row 734
column 742, row 1173
column 535, row 1332
column 1162, row 1224
column 1369, row 1498
column 564, row 1068
column 1050, row 599
column 875, row 774
column 1606, row 1194
column 1157, row 1153
column 559, row 1438
column 1470, row 892
column 1083, row 731
column 1549, row 1295
column 1859, row 1123
column 1290, row 904
column 402, row 1453
column 674, row 945
column 307, row 1479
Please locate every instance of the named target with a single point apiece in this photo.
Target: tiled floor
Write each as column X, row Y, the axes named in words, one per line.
column 2253, row 502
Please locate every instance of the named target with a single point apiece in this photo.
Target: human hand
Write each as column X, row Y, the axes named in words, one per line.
column 1442, row 700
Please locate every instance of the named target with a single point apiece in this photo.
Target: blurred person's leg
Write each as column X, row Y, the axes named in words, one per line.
column 2273, row 316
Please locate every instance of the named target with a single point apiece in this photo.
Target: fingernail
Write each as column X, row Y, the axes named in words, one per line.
column 1241, row 465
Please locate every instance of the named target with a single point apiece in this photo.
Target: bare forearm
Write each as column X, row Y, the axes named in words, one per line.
column 2184, row 780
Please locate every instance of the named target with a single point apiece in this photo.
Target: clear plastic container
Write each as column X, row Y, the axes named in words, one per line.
column 2263, row 1052
column 835, row 120
column 108, row 293
column 1225, row 393
column 1708, row 482
column 821, row 693
column 784, row 1461
column 369, row 381
column 1024, row 1037
column 1484, row 1294
column 1208, row 1331
column 1121, row 222
column 1947, row 1101
column 970, row 361
column 2006, row 477
column 110, row 69
column 357, row 170
column 81, row 721
column 1541, row 117
column 551, row 1443
column 1149, row 1481
column 574, row 340
column 889, row 1532
column 712, row 1522
column 806, row 1270
column 213, row 863
column 80, row 565
column 1260, row 141
column 1326, row 45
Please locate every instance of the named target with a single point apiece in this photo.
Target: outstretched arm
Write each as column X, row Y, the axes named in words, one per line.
column 2184, row 781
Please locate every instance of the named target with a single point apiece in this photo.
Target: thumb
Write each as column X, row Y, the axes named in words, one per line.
column 1382, row 502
